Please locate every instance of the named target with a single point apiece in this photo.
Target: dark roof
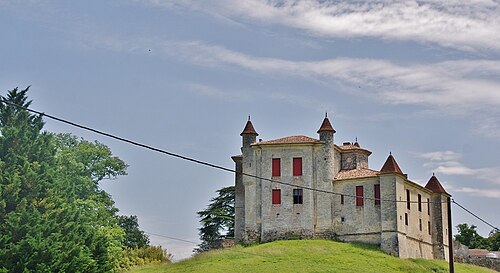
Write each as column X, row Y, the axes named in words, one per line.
column 434, row 185
column 249, row 130
column 326, row 126
column 290, row 140
column 391, row 166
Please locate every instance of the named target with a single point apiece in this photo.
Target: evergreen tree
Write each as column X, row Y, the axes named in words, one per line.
column 53, row 215
column 217, row 221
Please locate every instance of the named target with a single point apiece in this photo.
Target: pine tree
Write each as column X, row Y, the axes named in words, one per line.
column 217, row 221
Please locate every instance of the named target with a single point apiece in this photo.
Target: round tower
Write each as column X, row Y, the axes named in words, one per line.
column 249, row 135
column 326, row 131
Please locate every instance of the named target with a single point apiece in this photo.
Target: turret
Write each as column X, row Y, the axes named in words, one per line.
column 439, row 218
column 249, row 135
column 326, row 130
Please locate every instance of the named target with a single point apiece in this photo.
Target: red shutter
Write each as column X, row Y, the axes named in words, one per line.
column 297, row 166
column 276, row 167
column 359, row 195
column 377, row 194
column 276, row 196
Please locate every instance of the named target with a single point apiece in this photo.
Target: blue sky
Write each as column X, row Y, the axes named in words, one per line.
column 418, row 79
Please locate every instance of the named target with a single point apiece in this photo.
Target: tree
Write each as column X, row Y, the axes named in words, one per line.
column 217, row 221
column 494, row 240
column 134, row 237
column 468, row 236
column 53, row 215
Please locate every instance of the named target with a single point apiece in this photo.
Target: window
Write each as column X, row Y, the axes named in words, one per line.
column 406, row 218
column 276, row 167
column 297, row 196
column 276, row 196
column 341, row 199
column 376, row 190
column 429, row 226
column 408, row 199
column 297, row 166
column 359, row 195
column 420, row 224
column 428, row 206
column 419, row 202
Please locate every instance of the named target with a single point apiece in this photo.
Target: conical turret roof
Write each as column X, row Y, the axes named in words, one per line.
column 434, row 185
column 391, row 166
column 326, row 126
column 249, row 130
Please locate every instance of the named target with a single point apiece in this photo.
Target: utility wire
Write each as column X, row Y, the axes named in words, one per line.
column 2, row 99
column 193, row 159
column 195, row 243
column 473, row 214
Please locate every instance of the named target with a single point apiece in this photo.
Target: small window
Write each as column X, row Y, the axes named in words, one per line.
column 359, row 195
column 276, row 167
column 297, row 166
column 341, row 199
column 408, row 199
column 429, row 226
column 420, row 224
column 276, row 196
column 419, row 202
column 428, row 206
column 342, row 219
column 297, row 196
column 406, row 218
column 376, row 190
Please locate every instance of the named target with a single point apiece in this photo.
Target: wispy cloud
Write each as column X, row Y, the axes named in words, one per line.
column 461, row 87
column 449, row 163
column 467, row 25
column 492, row 193
column 244, row 95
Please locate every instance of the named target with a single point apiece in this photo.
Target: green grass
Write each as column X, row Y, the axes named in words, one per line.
column 304, row 256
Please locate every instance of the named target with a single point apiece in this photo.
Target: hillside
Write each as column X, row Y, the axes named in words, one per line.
column 304, row 256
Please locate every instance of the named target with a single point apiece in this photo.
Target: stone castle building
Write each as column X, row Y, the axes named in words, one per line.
column 366, row 205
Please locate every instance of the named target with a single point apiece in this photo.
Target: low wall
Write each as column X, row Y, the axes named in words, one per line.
column 484, row 262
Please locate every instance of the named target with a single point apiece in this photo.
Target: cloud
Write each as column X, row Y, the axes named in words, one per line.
column 491, row 193
column 245, row 95
column 440, row 156
column 464, row 88
column 466, row 25
column 448, row 163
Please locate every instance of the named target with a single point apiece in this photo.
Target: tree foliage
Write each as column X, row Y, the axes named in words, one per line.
column 468, row 236
column 217, row 220
column 54, row 217
column 134, row 237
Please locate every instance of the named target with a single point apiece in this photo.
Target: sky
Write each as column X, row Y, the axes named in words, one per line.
column 419, row 79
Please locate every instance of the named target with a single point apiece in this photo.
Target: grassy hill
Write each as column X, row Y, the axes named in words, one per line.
column 304, row 256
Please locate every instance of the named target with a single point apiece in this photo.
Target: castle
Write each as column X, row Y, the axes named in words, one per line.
column 323, row 190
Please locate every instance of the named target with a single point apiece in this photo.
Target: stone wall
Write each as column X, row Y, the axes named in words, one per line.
column 480, row 261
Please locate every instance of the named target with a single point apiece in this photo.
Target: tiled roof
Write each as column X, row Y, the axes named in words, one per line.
column 326, row 126
column 289, row 140
column 351, row 147
column 355, row 173
column 434, row 185
column 249, row 129
column 391, row 166
column 478, row 252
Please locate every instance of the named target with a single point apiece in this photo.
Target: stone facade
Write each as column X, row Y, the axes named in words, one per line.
column 321, row 190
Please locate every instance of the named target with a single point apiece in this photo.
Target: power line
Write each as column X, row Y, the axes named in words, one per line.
column 473, row 214
column 195, row 243
column 193, row 159
column 214, row 165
